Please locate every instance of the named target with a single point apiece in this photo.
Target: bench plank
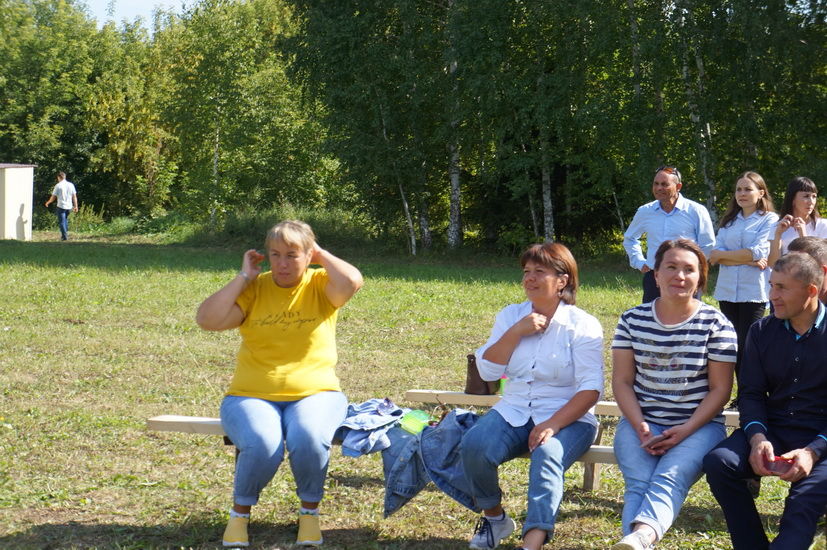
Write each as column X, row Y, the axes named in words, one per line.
column 602, row 408
column 186, row 424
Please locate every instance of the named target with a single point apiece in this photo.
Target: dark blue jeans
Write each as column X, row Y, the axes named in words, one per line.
column 727, row 467
column 63, row 222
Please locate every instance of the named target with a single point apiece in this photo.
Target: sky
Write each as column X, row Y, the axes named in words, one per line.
column 129, row 9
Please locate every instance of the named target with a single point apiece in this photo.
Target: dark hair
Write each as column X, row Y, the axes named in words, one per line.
column 764, row 203
column 799, row 183
column 685, row 244
column 61, row 175
column 557, row 257
column 801, row 267
column 814, row 246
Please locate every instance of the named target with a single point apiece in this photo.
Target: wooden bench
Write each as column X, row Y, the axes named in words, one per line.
column 592, row 459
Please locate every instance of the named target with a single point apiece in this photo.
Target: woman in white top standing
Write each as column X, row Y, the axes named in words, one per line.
column 799, row 217
column 552, row 354
column 741, row 249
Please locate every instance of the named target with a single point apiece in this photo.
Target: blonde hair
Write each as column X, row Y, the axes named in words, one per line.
column 292, row 233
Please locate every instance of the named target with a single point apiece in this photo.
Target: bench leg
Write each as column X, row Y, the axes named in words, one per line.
column 591, row 470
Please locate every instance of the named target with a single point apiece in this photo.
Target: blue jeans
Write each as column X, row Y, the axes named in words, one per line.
column 259, row 429
column 63, row 222
column 493, row 441
column 656, row 486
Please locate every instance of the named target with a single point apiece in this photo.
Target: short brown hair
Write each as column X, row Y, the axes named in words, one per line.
column 293, row 233
column 685, row 244
column 557, row 257
column 802, row 267
column 812, row 245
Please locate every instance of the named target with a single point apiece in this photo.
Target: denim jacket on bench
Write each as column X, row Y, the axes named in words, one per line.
column 413, row 460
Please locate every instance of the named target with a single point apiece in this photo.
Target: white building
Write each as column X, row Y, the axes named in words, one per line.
column 16, row 194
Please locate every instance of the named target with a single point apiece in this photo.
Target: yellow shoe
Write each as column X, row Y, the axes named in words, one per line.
column 310, row 534
column 235, row 535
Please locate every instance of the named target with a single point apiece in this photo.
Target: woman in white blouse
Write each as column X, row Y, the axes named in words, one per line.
column 799, row 217
column 742, row 247
column 552, row 354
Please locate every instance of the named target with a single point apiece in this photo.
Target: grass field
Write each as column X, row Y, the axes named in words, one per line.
column 98, row 334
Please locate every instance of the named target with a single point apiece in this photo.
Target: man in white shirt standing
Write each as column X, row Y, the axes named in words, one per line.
column 67, row 201
column 670, row 216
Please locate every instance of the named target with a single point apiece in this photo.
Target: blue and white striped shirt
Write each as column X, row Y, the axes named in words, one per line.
column 672, row 361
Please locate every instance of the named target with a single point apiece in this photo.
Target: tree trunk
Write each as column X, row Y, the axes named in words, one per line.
column 215, row 153
column 535, row 222
column 424, row 216
column 408, row 220
column 633, row 31
column 619, row 213
column 455, row 219
column 425, row 225
column 693, row 92
column 406, row 210
column 548, row 213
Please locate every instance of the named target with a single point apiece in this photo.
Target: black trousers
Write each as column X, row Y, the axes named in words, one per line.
column 742, row 315
column 727, row 468
column 650, row 288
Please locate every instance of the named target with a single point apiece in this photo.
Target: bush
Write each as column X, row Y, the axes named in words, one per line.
column 333, row 227
column 122, row 225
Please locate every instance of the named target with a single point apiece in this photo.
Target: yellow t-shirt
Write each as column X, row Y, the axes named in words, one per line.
column 288, row 340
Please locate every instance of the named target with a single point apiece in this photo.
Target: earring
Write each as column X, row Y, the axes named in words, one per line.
column 560, row 293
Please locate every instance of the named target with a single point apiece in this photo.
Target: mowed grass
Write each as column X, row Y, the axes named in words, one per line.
column 98, row 335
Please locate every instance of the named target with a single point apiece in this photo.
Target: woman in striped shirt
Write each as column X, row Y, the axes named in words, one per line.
column 672, row 374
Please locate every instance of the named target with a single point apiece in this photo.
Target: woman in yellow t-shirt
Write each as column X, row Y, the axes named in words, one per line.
column 284, row 390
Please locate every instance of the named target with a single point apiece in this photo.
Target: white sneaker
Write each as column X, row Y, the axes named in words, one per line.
column 634, row 541
column 489, row 532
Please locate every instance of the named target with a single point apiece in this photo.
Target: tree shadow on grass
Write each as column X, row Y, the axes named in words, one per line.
column 357, row 481
column 203, row 534
column 138, row 257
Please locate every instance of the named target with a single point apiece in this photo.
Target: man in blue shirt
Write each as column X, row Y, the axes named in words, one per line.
column 669, row 216
column 782, row 399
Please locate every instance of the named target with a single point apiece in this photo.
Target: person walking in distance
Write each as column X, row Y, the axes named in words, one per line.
column 67, row 201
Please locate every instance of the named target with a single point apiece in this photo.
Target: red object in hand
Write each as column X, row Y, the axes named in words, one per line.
column 779, row 464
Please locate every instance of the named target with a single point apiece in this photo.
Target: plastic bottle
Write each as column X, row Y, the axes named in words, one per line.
column 414, row 421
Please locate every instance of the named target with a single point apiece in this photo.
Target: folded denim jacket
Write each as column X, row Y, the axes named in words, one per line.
column 366, row 424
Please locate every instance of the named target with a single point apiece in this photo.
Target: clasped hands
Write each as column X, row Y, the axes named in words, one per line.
column 789, row 221
column 671, row 437
column 762, row 454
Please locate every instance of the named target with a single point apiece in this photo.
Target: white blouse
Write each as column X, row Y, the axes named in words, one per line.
column 546, row 369
column 788, row 236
